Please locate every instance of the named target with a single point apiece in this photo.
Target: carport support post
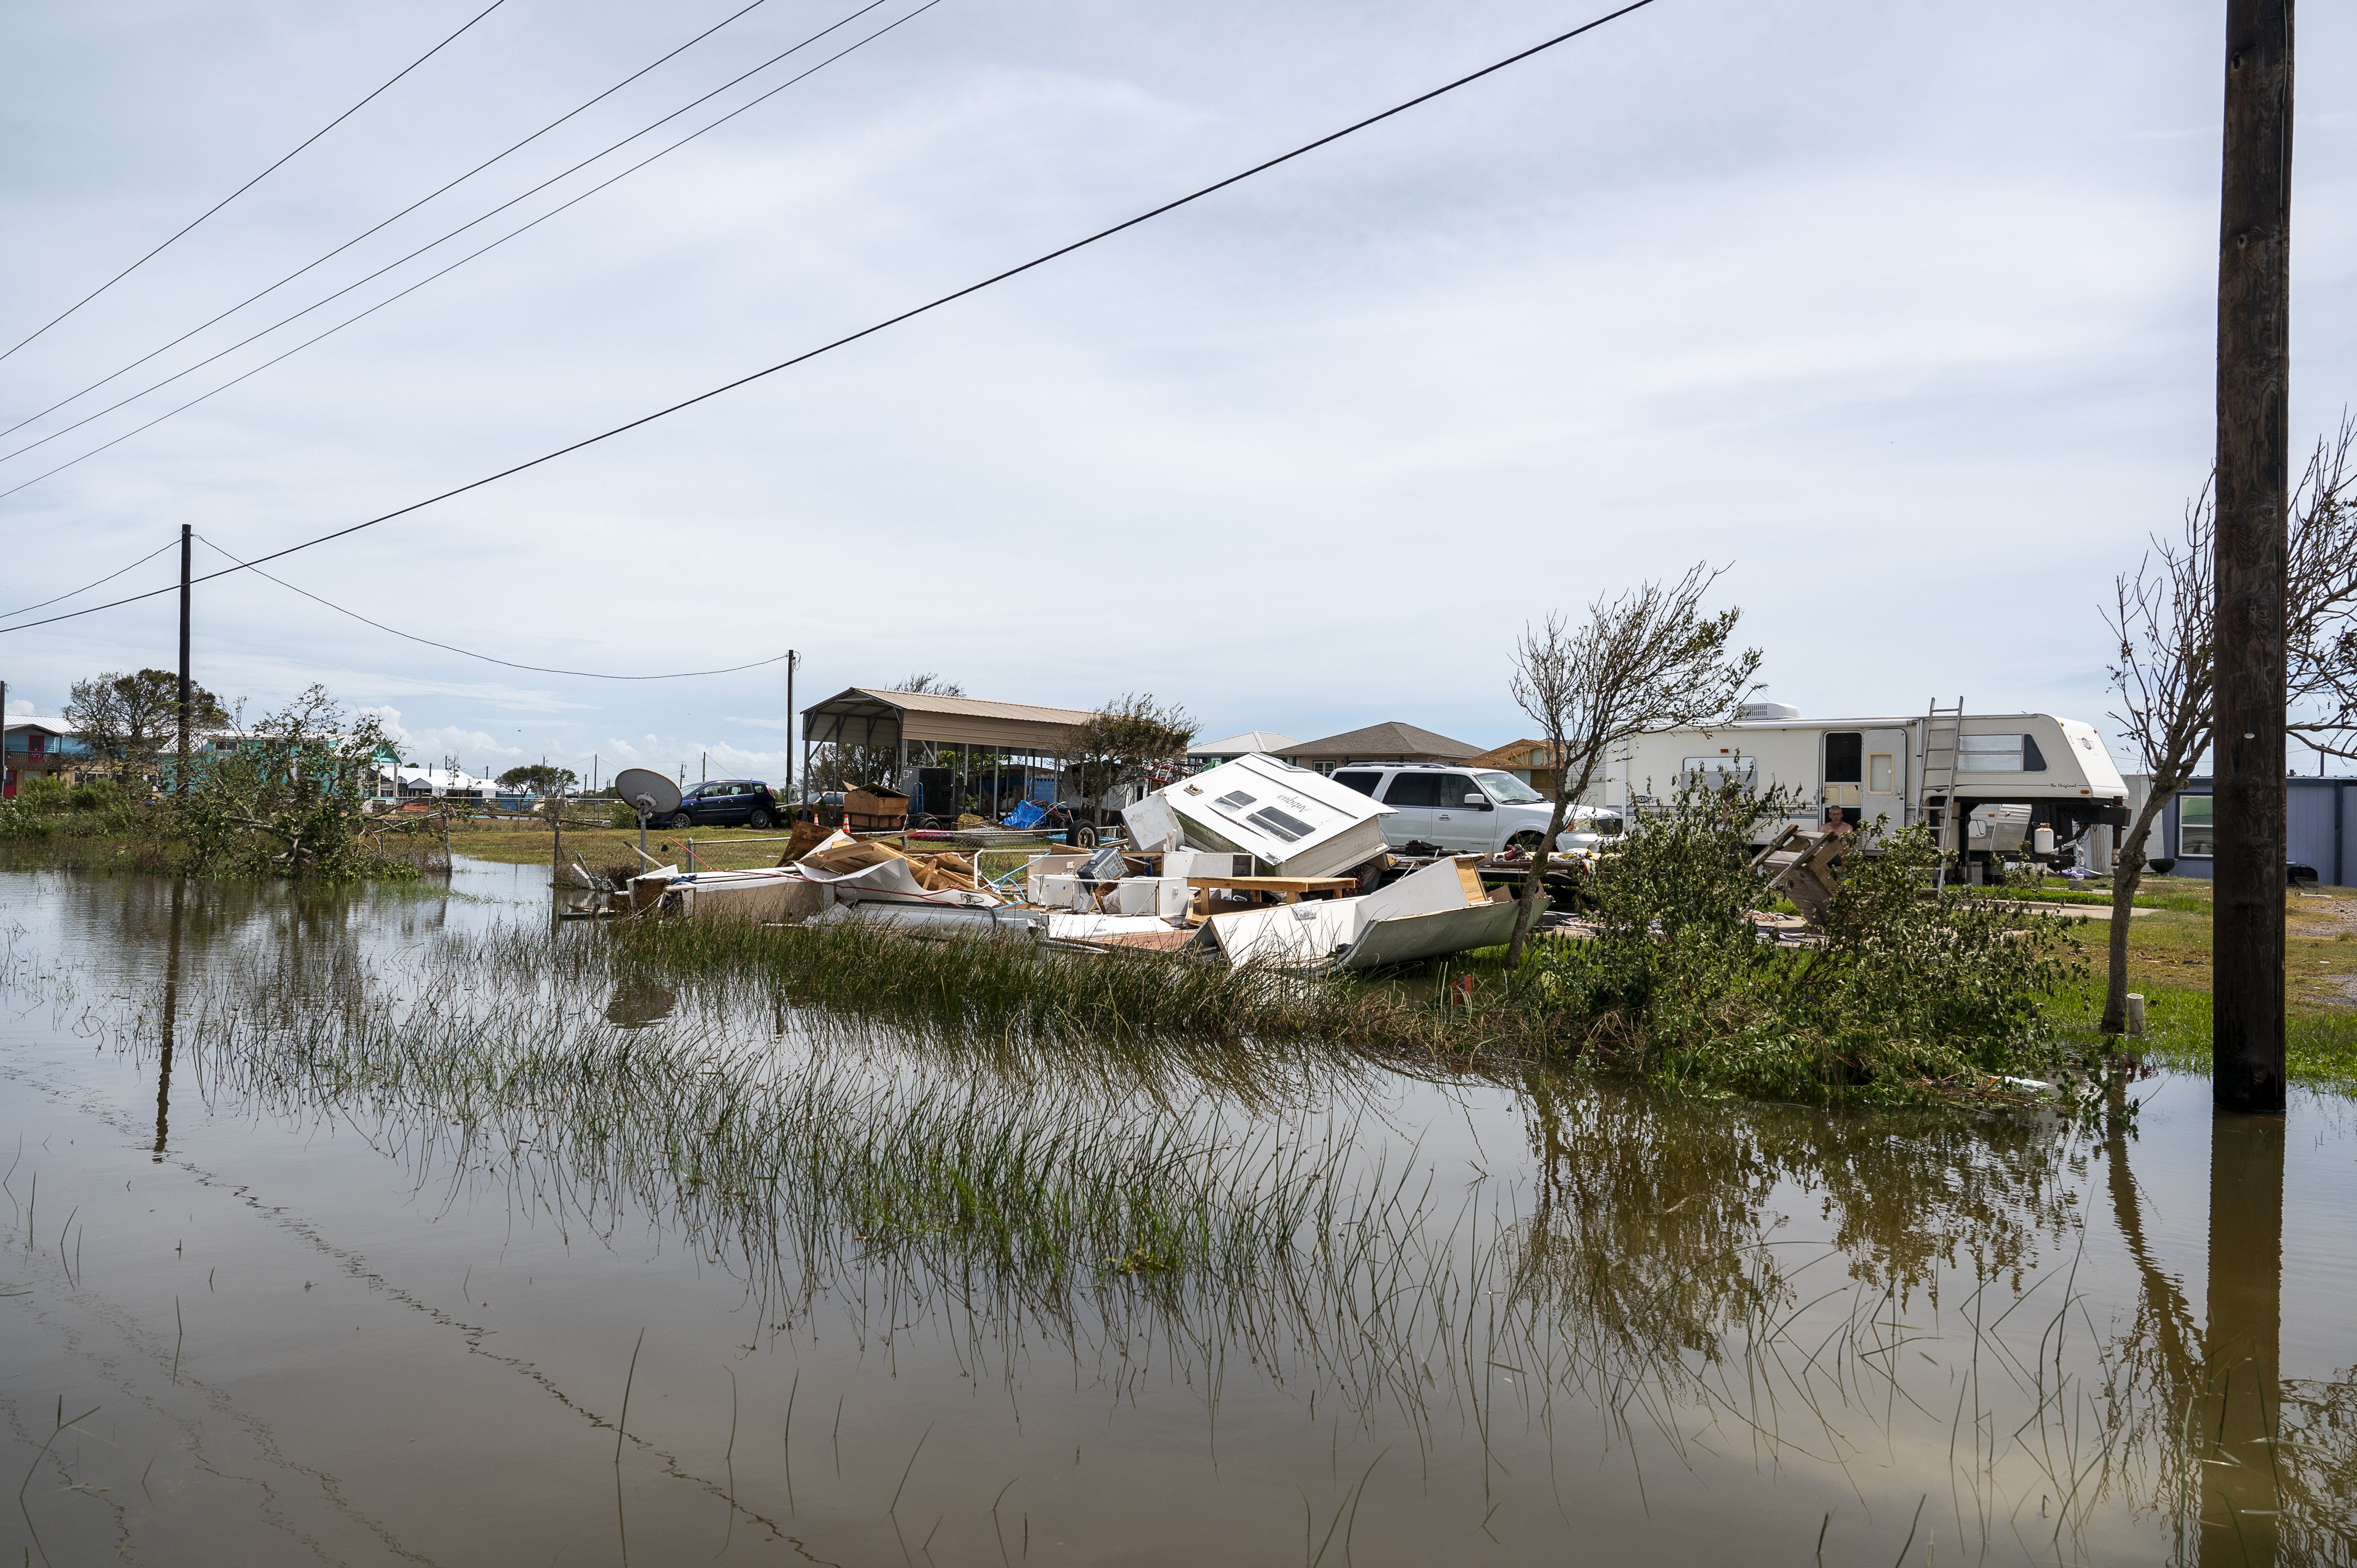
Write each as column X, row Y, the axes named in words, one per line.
column 2252, row 486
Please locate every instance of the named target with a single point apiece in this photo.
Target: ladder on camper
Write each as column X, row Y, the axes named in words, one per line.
column 1942, row 736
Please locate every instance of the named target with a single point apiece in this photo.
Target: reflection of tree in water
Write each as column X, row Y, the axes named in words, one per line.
column 1686, row 1188
column 1648, row 1275
column 638, row 1003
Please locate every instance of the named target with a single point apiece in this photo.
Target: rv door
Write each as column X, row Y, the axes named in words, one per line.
column 1883, row 790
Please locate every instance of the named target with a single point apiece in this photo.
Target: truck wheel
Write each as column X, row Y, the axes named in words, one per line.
column 1528, row 843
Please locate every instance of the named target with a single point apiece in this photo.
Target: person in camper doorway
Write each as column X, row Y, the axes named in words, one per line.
column 1834, row 821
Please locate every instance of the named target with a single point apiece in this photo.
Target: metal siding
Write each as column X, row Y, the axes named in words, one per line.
column 2345, row 797
column 2309, row 825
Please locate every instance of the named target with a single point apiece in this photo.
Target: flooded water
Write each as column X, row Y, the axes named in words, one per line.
column 335, row 1230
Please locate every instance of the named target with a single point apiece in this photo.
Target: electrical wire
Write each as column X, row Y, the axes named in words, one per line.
column 250, row 184
column 892, row 320
column 413, row 256
column 28, row 609
column 468, row 652
column 396, row 218
column 398, row 262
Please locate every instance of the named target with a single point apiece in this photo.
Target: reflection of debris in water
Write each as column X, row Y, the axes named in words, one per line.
column 638, row 1003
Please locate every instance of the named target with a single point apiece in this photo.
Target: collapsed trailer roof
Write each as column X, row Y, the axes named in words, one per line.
column 876, row 715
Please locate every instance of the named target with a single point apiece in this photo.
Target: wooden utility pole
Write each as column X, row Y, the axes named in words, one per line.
column 792, row 797
column 180, row 774
column 2254, row 482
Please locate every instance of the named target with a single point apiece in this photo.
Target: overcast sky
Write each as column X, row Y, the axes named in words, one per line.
column 1904, row 313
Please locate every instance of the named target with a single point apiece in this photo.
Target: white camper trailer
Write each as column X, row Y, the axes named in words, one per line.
column 2009, row 775
column 1294, row 821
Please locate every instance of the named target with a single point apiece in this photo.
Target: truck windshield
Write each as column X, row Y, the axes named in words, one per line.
column 1507, row 790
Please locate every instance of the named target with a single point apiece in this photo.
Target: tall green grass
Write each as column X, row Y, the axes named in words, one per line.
column 2319, row 1048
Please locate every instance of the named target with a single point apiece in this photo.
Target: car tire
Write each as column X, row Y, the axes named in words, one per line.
column 762, row 819
column 680, row 822
column 1527, row 841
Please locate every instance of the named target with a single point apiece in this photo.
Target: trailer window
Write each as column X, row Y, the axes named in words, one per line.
column 1364, row 783
column 2196, row 832
column 1843, row 754
column 1881, row 773
column 1718, row 773
column 1999, row 753
column 1282, row 824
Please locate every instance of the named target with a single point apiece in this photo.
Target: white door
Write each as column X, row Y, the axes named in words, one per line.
column 1414, row 795
column 1883, row 787
column 1460, row 828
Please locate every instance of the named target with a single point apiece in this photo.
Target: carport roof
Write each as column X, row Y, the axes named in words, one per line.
column 877, row 715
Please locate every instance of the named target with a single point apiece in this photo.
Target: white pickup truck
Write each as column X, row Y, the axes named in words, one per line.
column 1467, row 811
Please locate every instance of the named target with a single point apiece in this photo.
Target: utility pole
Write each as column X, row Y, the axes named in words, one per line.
column 2254, row 483
column 792, row 658
column 180, row 774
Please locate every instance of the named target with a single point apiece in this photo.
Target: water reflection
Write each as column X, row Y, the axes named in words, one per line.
column 638, row 1003
column 170, row 1022
column 1774, row 1297
column 2237, row 1411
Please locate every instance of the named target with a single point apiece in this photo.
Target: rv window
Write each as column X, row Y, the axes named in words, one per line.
column 1414, row 791
column 1844, row 752
column 2196, row 834
column 2032, row 760
column 1364, row 783
column 1507, row 790
column 1284, row 824
column 1717, row 772
column 1992, row 754
column 1235, row 800
column 1881, row 773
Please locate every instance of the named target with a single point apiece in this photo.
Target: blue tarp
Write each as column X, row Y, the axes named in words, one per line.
column 1026, row 815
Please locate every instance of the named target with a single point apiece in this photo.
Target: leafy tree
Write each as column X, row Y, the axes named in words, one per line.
column 289, row 796
column 540, row 778
column 1130, row 740
column 130, row 722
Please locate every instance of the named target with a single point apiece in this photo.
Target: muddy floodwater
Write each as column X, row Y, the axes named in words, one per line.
column 377, row 1228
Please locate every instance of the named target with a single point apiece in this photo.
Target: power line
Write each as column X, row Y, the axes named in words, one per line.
column 250, row 184
column 413, row 256
column 28, row 609
column 893, row 320
column 453, row 648
column 421, row 283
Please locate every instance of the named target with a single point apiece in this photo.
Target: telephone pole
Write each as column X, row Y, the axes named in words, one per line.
column 180, row 774
column 2254, row 483
column 792, row 658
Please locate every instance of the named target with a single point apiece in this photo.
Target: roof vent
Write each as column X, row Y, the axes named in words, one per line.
column 1766, row 710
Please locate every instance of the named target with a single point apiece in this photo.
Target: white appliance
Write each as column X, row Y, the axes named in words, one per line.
column 1292, row 821
column 1151, row 896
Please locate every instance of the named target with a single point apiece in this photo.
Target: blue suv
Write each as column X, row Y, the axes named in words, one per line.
column 726, row 803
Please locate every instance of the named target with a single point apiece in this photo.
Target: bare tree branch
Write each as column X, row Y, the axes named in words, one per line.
column 1650, row 660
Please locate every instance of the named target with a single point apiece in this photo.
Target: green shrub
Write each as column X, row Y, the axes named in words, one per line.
column 95, row 796
column 17, row 823
column 1907, row 992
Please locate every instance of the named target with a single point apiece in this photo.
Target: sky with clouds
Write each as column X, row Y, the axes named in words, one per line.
column 1904, row 314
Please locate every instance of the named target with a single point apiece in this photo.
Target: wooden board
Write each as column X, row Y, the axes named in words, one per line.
column 1276, row 884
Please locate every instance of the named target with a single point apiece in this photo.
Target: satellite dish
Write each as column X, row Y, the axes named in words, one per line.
column 648, row 791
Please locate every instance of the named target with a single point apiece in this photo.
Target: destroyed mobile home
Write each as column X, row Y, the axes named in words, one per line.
column 1251, row 862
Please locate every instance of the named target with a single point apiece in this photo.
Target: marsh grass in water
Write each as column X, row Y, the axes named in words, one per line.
column 1228, row 1204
